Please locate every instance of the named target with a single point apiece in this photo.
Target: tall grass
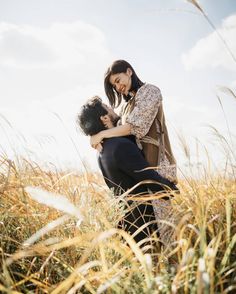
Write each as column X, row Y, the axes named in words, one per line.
column 58, row 235
column 58, row 232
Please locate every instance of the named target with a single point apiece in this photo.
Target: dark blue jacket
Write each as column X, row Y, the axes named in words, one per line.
column 122, row 164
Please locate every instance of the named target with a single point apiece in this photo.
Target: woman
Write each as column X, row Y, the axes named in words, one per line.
column 142, row 115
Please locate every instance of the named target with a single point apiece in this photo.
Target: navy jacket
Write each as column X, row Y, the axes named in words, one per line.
column 122, row 162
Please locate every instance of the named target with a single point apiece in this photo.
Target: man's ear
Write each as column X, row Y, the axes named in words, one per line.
column 104, row 119
column 129, row 72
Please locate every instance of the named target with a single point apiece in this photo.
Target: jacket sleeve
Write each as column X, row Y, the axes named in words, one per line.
column 130, row 160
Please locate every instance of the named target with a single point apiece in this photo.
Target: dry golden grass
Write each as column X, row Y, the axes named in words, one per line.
column 58, row 233
column 91, row 257
column 47, row 247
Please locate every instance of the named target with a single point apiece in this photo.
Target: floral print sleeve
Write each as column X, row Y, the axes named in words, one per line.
column 147, row 102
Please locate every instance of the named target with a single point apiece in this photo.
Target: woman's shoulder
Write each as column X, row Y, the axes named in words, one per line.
column 149, row 89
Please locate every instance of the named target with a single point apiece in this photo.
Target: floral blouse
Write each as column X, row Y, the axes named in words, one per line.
column 147, row 101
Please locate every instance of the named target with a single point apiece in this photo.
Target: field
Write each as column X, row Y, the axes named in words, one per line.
column 61, row 237
column 58, row 229
column 58, row 232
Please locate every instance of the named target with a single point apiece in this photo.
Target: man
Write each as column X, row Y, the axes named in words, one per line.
column 123, row 166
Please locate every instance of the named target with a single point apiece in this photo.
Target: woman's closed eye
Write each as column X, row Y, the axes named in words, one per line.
column 117, row 80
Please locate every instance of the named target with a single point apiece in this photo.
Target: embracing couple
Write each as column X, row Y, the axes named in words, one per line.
column 134, row 148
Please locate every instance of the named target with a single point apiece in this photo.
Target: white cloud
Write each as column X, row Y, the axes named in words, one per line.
column 60, row 45
column 210, row 51
column 47, row 71
column 233, row 85
column 41, row 63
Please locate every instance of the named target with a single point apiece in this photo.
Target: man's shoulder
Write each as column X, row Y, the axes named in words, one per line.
column 117, row 144
column 116, row 148
column 117, row 141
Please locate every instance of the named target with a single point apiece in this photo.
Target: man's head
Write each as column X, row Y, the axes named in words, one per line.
column 96, row 116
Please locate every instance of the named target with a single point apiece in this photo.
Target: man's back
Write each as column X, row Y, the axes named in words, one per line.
column 110, row 162
column 122, row 164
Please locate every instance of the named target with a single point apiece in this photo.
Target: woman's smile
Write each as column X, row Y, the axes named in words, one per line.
column 122, row 89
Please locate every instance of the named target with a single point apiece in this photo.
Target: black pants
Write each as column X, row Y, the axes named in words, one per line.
column 139, row 214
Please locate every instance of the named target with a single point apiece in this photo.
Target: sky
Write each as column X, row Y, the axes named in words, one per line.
column 54, row 53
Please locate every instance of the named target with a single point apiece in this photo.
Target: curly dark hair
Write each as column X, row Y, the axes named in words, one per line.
column 89, row 117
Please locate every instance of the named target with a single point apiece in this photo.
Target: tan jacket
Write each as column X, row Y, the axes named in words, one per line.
column 155, row 143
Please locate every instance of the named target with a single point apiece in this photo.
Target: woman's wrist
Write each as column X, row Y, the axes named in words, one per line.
column 102, row 134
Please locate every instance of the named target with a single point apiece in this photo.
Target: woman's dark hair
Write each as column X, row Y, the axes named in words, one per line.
column 120, row 66
column 89, row 117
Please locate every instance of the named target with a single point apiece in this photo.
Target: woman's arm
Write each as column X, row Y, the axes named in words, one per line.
column 147, row 103
column 123, row 130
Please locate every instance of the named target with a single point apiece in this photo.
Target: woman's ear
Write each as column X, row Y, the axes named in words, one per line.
column 129, row 72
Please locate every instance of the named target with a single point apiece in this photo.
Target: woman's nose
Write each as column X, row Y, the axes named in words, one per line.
column 119, row 88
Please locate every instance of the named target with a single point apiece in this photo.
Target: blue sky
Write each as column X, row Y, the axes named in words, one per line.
column 53, row 55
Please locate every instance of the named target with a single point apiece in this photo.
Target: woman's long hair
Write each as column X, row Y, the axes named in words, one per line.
column 120, row 66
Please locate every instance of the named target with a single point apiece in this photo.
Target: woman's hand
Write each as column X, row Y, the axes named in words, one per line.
column 99, row 147
column 96, row 139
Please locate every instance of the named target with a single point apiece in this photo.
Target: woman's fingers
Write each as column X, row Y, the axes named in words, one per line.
column 99, row 147
column 95, row 140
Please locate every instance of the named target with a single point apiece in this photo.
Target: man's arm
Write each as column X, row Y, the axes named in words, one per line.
column 131, row 161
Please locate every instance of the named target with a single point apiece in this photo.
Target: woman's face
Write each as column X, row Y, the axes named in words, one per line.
column 122, row 81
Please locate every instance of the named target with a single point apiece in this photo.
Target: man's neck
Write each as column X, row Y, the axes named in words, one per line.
column 110, row 125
